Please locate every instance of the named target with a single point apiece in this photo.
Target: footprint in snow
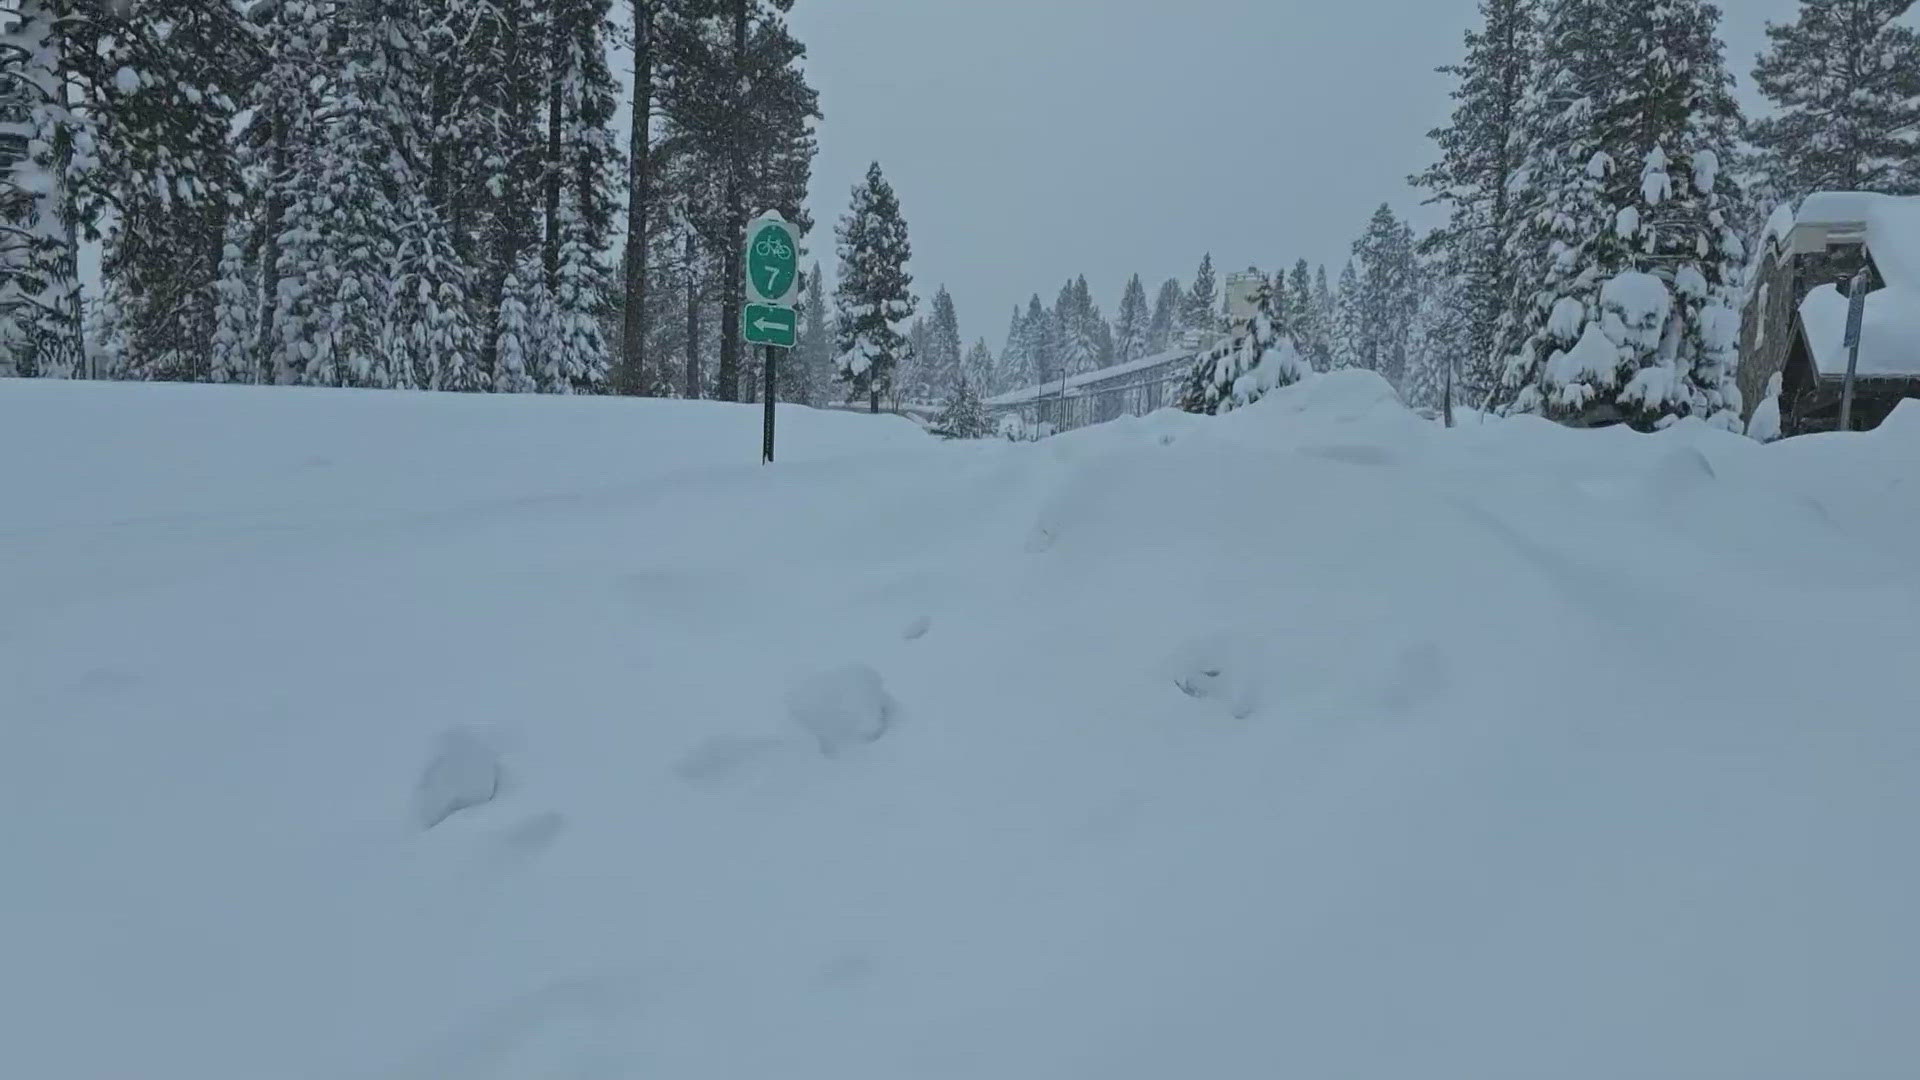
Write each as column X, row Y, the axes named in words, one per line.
column 463, row 773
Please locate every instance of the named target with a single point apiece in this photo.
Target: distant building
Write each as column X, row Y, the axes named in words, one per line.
column 1796, row 319
column 1243, row 294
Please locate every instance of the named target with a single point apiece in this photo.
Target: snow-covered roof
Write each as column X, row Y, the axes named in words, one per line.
column 1890, row 338
column 1088, row 378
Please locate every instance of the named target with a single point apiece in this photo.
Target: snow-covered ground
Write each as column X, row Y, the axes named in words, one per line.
column 409, row 737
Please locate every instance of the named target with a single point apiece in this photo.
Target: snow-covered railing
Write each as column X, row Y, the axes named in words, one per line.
column 1093, row 397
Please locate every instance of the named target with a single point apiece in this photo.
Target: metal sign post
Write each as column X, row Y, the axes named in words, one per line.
column 1856, row 324
column 769, row 319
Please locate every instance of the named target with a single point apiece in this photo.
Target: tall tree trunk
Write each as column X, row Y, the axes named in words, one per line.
column 693, row 319
column 276, row 212
column 734, row 272
column 633, row 378
column 557, row 56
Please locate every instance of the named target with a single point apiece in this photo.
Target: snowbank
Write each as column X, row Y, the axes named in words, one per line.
column 1312, row 740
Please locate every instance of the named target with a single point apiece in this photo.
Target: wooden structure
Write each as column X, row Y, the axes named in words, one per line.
column 1789, row 328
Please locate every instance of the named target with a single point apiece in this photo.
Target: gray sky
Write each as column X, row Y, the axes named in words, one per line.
column 1030, row 140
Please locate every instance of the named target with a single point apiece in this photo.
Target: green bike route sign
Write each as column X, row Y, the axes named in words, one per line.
column 773, row 261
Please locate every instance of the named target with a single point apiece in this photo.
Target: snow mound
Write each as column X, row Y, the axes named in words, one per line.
column 842, row 708
column 463, row 773
column 1345, row 396
column 1581, row 755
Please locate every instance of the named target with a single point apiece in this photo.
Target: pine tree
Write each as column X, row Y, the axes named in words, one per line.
column 1478, row 154
column 1387, row 299
column 521, row 329
column 1133, row 332
column 943, row 350
column 978, row 368
column 1257, row 358
column 1047, row 343
column 1442, row 338
column 1016, row 370
column 963, row 417
column 804, row 373
column 161, row 125
column 1199, row 314
column 1844, row 79
column 1077, row 324
column 1626, row 253
column 583, row 171
column 1165, row 325
column 40, row 307
column 234, row 356
column 737, row 103
column 578, row 361
column 1345, row 328
column 431, row 340
column 874, row 295
column 341, row 233
column 1309, row 327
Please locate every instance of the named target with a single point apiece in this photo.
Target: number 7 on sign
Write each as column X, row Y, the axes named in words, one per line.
column 773, row 264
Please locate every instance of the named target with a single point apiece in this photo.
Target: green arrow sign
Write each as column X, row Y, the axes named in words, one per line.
column 773, row 260
column 767, row 324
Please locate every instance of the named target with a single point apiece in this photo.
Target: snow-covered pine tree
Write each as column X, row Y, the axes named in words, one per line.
column 161, row 95
column 963, row 416
column 1200, row 313
column 1016, row 370
column 1078, row 323
column 1047, row 343
column 874, row 295
column 1564, row 243
column 578, row 360
column 943, row 350
column 910, row 380
column 978, row 367
column 1344, row 327
column 1478, row 154
column 342, row 227
column 491, row 153
column 584, row 175
column 1442, row 338
column 1844, row 80
column 522, row 328
column 1304, row 316
column 431, row 340
column 270, row 138
column 1282, row 304
column 1134, row 326
column 1257, row 358
column 234, row 355
column 49, row 154
column 1165, row 324
column 1631, row 234
column 1388, row 298
column 802, row 368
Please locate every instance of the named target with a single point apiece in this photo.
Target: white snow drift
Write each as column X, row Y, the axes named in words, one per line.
column 1310, row 741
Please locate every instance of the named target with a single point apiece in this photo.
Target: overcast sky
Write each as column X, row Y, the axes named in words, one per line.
column 1030, row 140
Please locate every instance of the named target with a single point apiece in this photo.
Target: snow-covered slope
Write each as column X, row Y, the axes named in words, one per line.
column 410, row 737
